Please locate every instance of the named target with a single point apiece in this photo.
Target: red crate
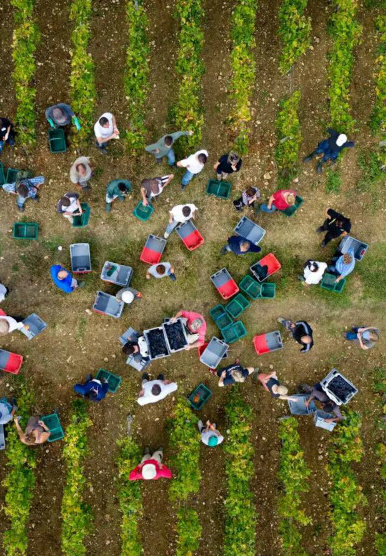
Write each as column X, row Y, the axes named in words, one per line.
column 228, row 289
column 260, row 344
column 149, row 256
column 271, row 261
column 193, row 240
column 13, row 364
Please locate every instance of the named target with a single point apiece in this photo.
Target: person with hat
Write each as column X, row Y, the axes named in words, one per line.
column 128, row 295
column 154, row 391
column 116, row 189
column 63, row 279
column 151, row 467
column 335, row 225
column 152, row 187
column 9, row 324
column 60, row 115
column 209, row 434
column 164, row 147
column 81, row 172
column 195, row 327
column 227, row 164
column 273, row 386
column 312, row 272
column 93, row 389
column 7, row 410
column 330, row 148
column 280, row 200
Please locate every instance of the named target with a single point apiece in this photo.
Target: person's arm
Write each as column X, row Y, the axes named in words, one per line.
column 222, row 377
column 42, row 424
column 197, row 344
column 339, row 278
column 310, row 398
column 349, row 144
column 67, row 108
column 44, row 436
column 79, row 207
column 19, row 429
column 7, row 133
column 145, row 202
column 170, row 217
column 170, row 177
column 105, row 139
column 293, row 398
column 183, row 163
column 176, row 316
column 215, row 166
column 360, row 332
column 271, row 199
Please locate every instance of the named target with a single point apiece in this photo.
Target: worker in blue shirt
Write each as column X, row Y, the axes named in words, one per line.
column 239, row 246
column 330, row 148
column 343, row 265
column 93, row 389
column 63, row 279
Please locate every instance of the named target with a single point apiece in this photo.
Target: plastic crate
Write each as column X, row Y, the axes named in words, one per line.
column 329, row 283
column 143, row 212
column 359, row 247
column 53, row 423
column 271, row 341
column 249, row 286
column 338, row 387
column 152, row 252
column 57, row 140
column 271, row 262
column 36, row 326
column 113, row 380
column 120, row 275
column 108, row 305
column 162, row 348
column 11, row 175
column 10, row 362
column 199, row 396
column 80, row 258
column 289, row 211
column 2, row 175
column 190, row 236
column 2, row 437
column 213, row 353
column 249, row 230
column 81, row 220
column 175, row 343
column 220, row 316
column 298, row 406
column 224, row 283
column 220, row 189
column 238, row 304
column 25, row 230
column 268, row 290
column 234, row 332
column 320, row 421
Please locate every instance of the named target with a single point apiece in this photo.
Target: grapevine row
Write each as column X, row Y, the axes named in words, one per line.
column 380, row 535
column 294, row 31
column 378, row 115
column 289, row 137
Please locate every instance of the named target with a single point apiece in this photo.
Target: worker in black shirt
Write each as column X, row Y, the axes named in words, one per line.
column 335, row 225
column 301, row 331
column 227, row 164
column 7, row 134
column 330, row 148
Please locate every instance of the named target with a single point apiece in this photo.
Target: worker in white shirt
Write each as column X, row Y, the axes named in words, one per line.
column 9, row 324
column 193, row 164
column 155, row 390
column 178, row 215
column 313, row 272
column 209, row 434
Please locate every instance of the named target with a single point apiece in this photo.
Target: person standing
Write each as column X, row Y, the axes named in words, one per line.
column 366, row 337
column 301, row 332
column 233, row 373
column 7, row 133
column 210, row 436
column 247, row 199
column 155, row 390
column 161, row 270
column 194, row 165
column 195, row 326
column 328, row 405
column 239, row 246
column 273, row 386
column 164, row 147
column 335, row 225
column 7, row 410
column 61, row 115
column 69, row 206
column 330, row 148
column 81, row 172
column 63, row 279
column 116, row 189
column 280, row 200
column 151, row 467
column 313, row 272
column 152, row 187
column 105, row 130
column 227, row 164
column 36, row 431
column 9, row 324
column 178, row 215
column 93, row 389
column 342, row 265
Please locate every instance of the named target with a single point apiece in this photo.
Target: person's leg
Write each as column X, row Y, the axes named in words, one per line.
column 109, row 201
column 219, row 177
column 286, row 323
column 264, row 208
column 327, row 238
column 169, row 228
column 74, row 283
column 20, row 201
column 201, row 426
column 1, row 146
column 310, row 156
column 186, row 178
column 158, row 455
column 147, row 455
column 83, row 389
column 225, row 249
column 160, row 377
column 351, row 335
column 171, row 157
column 11, row 141
column 69, row 218
column 145, row 377
column 172, row 276
column 224, row 175
column 158, row 160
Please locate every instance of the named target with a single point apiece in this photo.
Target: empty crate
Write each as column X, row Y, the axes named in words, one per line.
column 11, row 175
column 213, row 353
column 289, row 211
column 2, row 437
column 234, row 332
column 220, row 189
column 25, row 230
column 224, row 283
column 175, row 335
column 248, row 229
column 113, row 380
column 2, row 175
column 264, row 343
column 200, row 396
column 249, row 286
column 152, row 252
column 267, row 266
column 80, row 258
column 338, row 388
column 143, row 212
column 238, row 304
column 268, row 290
column 53, row 423
column 190, row 236
column 359, row 247
column 298, row 406
column 156, row 340
column 10, row 362
column 81, row 220
column 35, row 324
column 57, row 140
column 220, row 316
column 108, row 305
column 116, row 273
column 329, row 283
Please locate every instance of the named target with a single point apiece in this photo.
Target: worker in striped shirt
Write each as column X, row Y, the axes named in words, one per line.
column 301, row 332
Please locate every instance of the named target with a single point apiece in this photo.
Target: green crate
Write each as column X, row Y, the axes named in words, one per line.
column 2, row 175
column 53, row 423
column 203, row 393
column 57, row 140
column 328, row 283
column 143, row 213
column 268, row 290
column 220, row 189
column 11, row 175
column 238, row 304
column 291, row 210
column 25, row 230
column 234, row 332
column 249, row 286
column 114, row 381
column 220, row 316
column 81, row 220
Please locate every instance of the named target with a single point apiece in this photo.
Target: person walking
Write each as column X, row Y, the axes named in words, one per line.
column 313, row 272
column 151, row 467
column 161, row 270
column 328, row 405
column 93, row 389
column 7, row 410
column 155, row 390
column 335, row 225
column 273, row 386
column 330, row 149
column 195, row 325
column 233, row 373
column 9, row 324
column 301, row 332
column 247, row 199
column 365, row 337
column 128, row 295
column 342, row 265
column 63, row 279
column 36, row 431
column 227, row 164
column 179, row 215
column 152, row 187
column 7, row 133
column 280, row 200
column 61, row 115
column 239, row 246
column 194, row 164
column 164, row 147
column 69, row 206
column 81, row 172
column 116, row 189
column 105, row 130
column 210, row 436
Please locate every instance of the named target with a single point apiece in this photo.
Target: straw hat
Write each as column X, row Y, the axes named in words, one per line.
column 4, row 327
column 149, row 471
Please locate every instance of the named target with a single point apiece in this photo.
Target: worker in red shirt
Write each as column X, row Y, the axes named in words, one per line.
column 195, row 325
column 150, row 467
column 281, row 200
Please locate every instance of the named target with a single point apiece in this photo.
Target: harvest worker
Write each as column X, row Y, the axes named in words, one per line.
column 151, row 467
column 4, row 291
column 163, row 147
column 161, row 270
column 312, row 272
column 178, row 215
column 247, row 199
column 193, row 164
column 239, row 246
column 210, row 436
column 36, row 431
column 155, row 390
column 365, row 337
column 273, row 386
column 69, row 206
column 63, row 279
column 335, row 225
column 301, row 332
column 26, row 189
column 227, row 164
column 137, row 347
column 7, row 410
column 195, row 327
column 116, row 189
column 280, row 200
column 93, row 389
column 7, row 133
column 330, row 148
column 152, row 187
column 80, row 173
column 61, row 115
column 233, row 373
column 342, row 265
column 105, row 129
column 128, row 295
column 9, row 324
column 328, row 405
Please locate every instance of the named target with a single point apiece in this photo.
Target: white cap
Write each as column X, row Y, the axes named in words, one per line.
column 149, row 471
column 127, row 297
column 342, row 138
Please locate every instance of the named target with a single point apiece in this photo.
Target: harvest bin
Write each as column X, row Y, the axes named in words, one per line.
column 289, row 211
column 220, row 316
column 175, row 335
column 359, row 247
column 156, row 340
column 81, row 220
column 36, row 325
column 249, row 230
column 338, row 387
column 199, row 396
column 2, row 175
column 249, row 286
column 234, row 332
column 238, row 304
column 108, row 305
column 53, row 423
column 25, row 230
column 190, row 236
column 11, row 175
column 143, row 212
column 224, row 283
column 270, row 262
column 80, row 258
column 220, row 189
column 271, row 341
column 118, row 274
column 329, row 283
column 152, row 252
column 57, row 140
column 113, row 380
column 213, row 353
column 268, row 290
column 10, row 362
